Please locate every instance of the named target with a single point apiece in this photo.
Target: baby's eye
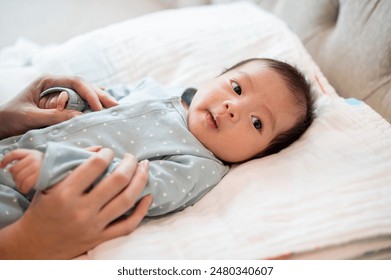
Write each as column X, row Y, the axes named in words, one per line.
column 256, row 123
column 236, row 88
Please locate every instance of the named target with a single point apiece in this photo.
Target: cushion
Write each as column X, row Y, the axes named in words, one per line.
column 349, row 40
column 176, row 50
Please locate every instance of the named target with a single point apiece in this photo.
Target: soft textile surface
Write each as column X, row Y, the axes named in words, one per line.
column 186, row 46
column 339, row 34
column 331, row 187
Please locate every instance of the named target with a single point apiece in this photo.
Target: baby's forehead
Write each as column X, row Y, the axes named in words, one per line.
column 265, row 80
column 259, row 74
column 253, row 67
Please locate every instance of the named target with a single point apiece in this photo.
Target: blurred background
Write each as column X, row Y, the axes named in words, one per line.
column 55, row 21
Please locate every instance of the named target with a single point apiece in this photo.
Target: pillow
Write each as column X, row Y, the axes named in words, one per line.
column 330, row 187
column 186, row 47
column 14, row 79
column 339, row 34
column 14, row 69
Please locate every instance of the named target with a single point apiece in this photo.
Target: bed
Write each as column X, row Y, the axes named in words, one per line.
column 327, row 196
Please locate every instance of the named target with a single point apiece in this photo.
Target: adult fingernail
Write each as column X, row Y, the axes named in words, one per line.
column 144, row 163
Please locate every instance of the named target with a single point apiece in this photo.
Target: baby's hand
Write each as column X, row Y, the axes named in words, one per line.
column 94, row 149
column 54, row 101
column 25, row 171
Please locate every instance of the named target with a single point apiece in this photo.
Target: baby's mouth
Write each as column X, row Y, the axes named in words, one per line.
column 211, row 121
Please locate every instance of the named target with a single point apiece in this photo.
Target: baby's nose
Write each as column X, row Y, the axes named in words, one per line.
column 232, row 110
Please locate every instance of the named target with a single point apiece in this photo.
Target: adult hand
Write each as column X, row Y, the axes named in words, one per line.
column 66, row 221
column 22, row 113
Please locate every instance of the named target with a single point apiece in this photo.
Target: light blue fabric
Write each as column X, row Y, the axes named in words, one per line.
column 145, row 124
column 353, row 101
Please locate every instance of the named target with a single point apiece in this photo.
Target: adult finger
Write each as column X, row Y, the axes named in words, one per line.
column 46, row 117
column 87, row 92
column 86, row 174
column 114, row 183
column 52, row 104
column 94, row 96
column 128, row 197
column 106, row 99
column 76, row 83
column 130, row 223
column 42, row 102
column 62, row 100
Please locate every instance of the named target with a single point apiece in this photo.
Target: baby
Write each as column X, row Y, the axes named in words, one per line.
column 255, row 108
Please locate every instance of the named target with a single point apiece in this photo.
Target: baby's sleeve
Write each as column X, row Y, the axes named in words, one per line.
column 180, row 181
column 75, row 102
column 12, row 205
column 59, row 160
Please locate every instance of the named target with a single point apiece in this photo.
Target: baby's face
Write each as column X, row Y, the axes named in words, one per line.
column 237, row 114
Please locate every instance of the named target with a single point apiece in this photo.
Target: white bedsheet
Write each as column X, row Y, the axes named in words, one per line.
column 331, row 187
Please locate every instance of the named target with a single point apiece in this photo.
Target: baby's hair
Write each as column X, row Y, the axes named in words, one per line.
column 300, row 89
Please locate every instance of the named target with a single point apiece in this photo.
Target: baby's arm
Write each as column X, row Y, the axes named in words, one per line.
column 25, row 171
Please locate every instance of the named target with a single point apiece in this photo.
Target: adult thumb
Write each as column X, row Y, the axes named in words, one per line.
column 54, row 116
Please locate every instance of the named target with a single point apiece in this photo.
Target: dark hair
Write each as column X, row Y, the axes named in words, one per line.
column 301, row 90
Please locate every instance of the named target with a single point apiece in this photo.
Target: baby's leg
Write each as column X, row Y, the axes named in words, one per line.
column 25, row 171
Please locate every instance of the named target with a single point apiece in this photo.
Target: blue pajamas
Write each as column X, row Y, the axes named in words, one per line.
column 145, row 124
